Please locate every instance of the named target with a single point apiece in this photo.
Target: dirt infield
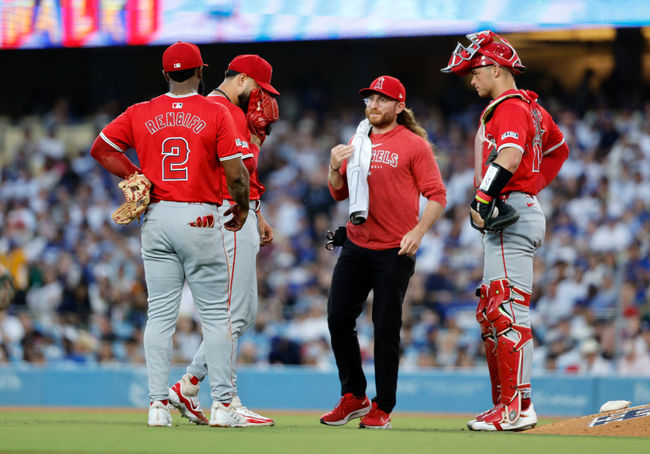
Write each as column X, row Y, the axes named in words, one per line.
column 629, row 422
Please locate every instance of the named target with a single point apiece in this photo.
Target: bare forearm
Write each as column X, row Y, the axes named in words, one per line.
column 335, row 178
column 238, row 188
column 509, row 158
column 432, row 212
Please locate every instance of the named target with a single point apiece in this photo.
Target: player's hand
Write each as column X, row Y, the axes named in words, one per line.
column 339, row 154
column 238, row 218
column 475, row 216
column 410, row 243
column 266, row 232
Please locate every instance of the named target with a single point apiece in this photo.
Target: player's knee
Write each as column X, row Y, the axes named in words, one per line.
column 340, row 323
column 498, row 295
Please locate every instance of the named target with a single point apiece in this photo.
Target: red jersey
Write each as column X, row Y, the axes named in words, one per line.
column 402, row 167
column 515, row 119
column 251, row 151
column 180, row 140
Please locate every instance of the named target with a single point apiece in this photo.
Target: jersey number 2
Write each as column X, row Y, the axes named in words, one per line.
column 175, row 151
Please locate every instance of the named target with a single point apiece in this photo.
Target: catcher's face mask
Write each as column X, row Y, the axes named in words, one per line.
column 484, row 47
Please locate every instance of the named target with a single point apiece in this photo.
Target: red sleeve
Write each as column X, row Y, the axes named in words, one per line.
column 555, row 152
column 227, row 146
column 340, row 194
column 427, row 175
column 108, row 148
column 112, row 160
column 510, row 126
column 118, row 133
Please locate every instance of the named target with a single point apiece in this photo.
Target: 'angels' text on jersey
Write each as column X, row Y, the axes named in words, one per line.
column 187, row 120
column 384, row 157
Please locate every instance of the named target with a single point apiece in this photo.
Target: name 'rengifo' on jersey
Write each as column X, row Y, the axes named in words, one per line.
column 179, row 140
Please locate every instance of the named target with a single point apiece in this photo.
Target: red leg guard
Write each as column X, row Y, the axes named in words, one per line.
column 509, row 353
column 489, row 342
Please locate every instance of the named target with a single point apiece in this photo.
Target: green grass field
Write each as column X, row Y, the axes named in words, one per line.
column 79, row 431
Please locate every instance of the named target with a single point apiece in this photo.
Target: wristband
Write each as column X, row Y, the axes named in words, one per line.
column 332, row 168
column 495, row 179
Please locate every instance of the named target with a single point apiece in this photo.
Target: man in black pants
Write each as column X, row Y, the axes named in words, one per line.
column 379, row 253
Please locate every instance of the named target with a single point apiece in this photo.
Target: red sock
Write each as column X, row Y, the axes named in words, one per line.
column 226, row 404
column 194, row 380
column 164, row 402
column 525, row 403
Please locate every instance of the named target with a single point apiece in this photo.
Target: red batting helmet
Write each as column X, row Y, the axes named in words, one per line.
column 486, row 48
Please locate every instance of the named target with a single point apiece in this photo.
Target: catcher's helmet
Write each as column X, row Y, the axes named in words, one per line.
column 486, row 48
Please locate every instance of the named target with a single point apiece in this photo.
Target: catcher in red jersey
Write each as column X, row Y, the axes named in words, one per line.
column 519, row 150
column 184, row 143
column 383, row 171
column 248, row 95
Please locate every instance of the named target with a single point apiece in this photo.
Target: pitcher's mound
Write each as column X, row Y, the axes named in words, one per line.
column 629, row 422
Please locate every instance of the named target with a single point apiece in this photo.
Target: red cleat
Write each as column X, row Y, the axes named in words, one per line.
column 376, row 419
column 347, row 408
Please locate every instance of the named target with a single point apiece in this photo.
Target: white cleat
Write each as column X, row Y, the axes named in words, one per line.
column 481, row 416
column 159, row 415
column 527, row 420
column 252, row 419
column 222, row 416
column 185, row 397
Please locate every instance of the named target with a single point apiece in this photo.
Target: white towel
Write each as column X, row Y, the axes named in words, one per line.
column 358, row 167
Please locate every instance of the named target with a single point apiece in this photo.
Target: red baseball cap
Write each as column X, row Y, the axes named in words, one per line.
column 181, row 56
column 256, row 68
column 387, row 85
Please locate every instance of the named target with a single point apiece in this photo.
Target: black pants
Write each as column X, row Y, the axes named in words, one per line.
column 357, row 271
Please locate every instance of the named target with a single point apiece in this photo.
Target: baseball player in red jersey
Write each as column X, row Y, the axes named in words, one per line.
column 379, row 253
column 520, row 150
column 184, row 142
column 245, row 74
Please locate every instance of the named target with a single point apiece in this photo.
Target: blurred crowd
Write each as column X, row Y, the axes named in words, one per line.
column 80, row 290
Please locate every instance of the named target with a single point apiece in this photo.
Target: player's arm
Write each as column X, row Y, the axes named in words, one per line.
column 109, row 147
column 230, row 154
column 238, row 188
column 429, row 182
column 266, row 232
column 555, row 152
column 410, row 242
column 335, row 178
column 509, row 158
column 112, row 160
column 478, row 156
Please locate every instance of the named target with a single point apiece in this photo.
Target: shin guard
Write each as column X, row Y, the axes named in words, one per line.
column 489, row 342
column 511, row 338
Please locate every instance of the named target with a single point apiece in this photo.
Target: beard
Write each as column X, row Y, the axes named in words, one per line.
column 243, row 100
column 384, row 119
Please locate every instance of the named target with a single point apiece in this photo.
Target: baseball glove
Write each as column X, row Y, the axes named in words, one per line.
column 136, row 189
column 496, row 215
column 263, row 110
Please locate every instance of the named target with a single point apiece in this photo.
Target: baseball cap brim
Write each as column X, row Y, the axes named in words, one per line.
column 268, row 87
column 369, row 91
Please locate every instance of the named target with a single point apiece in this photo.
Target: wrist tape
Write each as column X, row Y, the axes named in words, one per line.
column 495, row 179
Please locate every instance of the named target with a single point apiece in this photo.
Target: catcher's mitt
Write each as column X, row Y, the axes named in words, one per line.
column 495, row 216
column 263, row 110
column 136, row 189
